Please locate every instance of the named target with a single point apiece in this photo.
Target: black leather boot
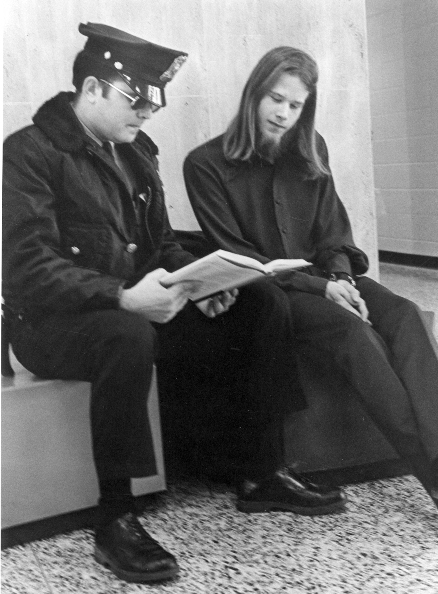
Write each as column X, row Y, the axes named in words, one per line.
column 128, row 550
column 286, row 490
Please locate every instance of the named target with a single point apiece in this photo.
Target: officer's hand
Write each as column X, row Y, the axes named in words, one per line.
column 218, row 304
column 151, row 299
column 347, row 296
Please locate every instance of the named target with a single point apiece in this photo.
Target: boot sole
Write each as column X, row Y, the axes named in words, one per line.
column 132, row 576
column 256, row 507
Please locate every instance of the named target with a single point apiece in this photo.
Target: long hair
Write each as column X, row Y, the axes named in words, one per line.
column 240, row 138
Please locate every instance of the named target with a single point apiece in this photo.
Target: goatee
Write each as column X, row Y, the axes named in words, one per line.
column 271, row 149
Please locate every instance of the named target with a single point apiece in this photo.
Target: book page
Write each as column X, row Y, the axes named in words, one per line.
column 211, row 275
column 285, row 264
column 241, row 260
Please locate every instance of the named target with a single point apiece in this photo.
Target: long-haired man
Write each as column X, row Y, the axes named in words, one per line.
column 264, row 189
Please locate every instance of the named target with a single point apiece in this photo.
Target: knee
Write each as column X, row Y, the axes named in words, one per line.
column 267, row 297
column 403, row 314
column 407, row 324
column 129, row 336
column 387, row 308
column 407, row 308
column 350, row 330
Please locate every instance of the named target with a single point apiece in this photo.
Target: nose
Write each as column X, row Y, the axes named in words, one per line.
column 282, row 111
column 145, row 113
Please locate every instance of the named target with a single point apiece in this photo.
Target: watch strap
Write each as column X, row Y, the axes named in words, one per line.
column 335, row 276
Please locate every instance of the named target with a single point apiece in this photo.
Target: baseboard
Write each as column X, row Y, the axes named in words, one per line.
column 408, row 259
column 62, row 524
column 372, row 471
column 48, row 527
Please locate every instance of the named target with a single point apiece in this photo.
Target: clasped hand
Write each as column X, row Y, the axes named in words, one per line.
column 218, row 304
column 160, row 305
column 347, row 296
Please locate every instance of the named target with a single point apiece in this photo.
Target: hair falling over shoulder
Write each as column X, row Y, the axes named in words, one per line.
column 240, row 139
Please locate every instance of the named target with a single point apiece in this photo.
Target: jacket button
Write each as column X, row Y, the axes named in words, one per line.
column 75, row 250
column 131, row 248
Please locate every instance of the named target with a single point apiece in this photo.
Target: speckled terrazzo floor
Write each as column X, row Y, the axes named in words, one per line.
column 386, row 542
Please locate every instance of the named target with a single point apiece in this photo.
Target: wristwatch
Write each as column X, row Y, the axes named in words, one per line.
column 335, row 276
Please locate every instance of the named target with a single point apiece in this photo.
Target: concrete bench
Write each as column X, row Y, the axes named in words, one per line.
column 47, row 463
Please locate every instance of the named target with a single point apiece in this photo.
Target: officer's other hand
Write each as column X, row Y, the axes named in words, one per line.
column 218, row 304
column 151, row 299
column 347, row 296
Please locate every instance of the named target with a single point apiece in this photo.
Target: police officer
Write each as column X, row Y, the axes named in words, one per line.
column 86, row 242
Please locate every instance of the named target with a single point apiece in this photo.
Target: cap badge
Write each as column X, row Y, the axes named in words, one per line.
column 154, row 95
column 174, row 67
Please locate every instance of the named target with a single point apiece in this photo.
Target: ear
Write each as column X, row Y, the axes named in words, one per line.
column 91, row 89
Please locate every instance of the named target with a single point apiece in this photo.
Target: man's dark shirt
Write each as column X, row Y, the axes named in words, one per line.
column 269, row 211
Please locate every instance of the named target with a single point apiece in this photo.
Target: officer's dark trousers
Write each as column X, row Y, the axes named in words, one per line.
column 115, row 351
column 393, row 364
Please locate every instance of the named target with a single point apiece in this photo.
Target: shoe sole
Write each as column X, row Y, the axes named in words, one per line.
column 131, row 576
column 256, row 507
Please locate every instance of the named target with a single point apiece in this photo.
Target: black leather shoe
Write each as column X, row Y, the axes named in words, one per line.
column 286, row 490
column 134, row 556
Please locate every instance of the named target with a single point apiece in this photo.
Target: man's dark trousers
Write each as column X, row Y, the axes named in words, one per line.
column 395, row 377
column 115, row 351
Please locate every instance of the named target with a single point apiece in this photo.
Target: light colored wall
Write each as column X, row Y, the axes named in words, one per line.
column 224, row 39
column 403, row 42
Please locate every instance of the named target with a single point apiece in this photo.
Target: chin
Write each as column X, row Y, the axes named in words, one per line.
column 128, row 136
column 270, row 147
column 271, row 142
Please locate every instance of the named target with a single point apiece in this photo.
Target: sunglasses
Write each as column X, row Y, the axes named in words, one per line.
column 136, row 102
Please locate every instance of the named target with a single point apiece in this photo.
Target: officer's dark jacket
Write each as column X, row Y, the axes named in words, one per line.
column 70, row 229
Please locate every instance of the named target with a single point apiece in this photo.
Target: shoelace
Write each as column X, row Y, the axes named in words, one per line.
column 146, row 542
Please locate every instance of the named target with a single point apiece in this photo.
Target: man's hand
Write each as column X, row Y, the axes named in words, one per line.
column 347, row 296
column 151, row 299
column 218, row 304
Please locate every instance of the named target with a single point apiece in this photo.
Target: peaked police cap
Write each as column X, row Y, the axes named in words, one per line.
column 144, row 66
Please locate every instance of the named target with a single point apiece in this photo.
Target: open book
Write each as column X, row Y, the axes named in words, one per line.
column 222, row 271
